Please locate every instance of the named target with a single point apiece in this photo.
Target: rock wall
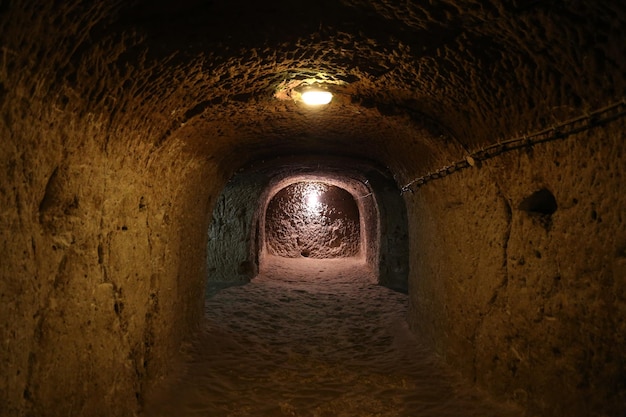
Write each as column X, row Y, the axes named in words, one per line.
column 393, row 237
column 96, row 263
column 313, row 219
column 524, row 293
column 232, row 255
column 102, row 231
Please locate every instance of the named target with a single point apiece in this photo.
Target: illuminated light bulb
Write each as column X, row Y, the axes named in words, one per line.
column 316, row 97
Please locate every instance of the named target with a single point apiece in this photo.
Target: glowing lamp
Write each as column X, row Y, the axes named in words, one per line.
column 316, row 97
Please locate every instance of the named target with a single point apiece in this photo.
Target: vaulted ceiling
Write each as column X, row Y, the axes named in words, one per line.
column 417, row 84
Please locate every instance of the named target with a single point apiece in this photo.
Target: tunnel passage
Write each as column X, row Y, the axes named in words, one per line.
column 312, row 219
column 121, row 123
column 366, row 218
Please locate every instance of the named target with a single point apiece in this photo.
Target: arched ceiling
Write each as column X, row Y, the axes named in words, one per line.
column 417, row 83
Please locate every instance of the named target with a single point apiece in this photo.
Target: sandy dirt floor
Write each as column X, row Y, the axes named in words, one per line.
column 314, row 338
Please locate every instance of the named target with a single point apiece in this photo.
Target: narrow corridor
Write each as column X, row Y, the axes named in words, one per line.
column 311, row 337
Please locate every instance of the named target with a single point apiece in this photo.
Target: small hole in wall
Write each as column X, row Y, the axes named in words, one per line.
column 539, row 202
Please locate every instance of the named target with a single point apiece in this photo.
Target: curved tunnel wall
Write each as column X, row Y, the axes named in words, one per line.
column 527, row 303
column 233, row 239
column 116, row 146
column 100, row 262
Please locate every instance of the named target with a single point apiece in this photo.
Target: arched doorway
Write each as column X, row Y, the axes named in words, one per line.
column 360, row 214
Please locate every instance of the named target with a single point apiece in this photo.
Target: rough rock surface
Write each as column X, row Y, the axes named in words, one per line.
column 313, row 219
column 527, row 300
column 233, row 246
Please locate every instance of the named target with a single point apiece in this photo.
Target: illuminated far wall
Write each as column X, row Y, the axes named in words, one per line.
column 313, row 219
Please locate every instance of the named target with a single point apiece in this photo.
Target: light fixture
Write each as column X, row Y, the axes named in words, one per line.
column 316, row 97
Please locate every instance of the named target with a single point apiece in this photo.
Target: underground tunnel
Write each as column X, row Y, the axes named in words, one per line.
column 155, row 159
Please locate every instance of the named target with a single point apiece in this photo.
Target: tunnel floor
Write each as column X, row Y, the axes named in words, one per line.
column 316, row 338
